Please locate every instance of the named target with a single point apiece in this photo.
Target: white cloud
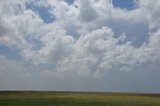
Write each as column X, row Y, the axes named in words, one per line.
column 89, row 39
column 152, row 8
column 87, row 13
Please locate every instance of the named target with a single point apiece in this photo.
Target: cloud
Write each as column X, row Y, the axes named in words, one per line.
column 153, row 12
column 87, row 13
column 89, row 41
column 12, row 72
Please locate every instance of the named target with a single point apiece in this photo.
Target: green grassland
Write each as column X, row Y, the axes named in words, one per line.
column 31, row 98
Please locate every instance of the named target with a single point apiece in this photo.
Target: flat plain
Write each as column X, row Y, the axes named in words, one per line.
column 53, row 98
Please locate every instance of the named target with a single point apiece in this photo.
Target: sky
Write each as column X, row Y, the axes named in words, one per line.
column 80, row 45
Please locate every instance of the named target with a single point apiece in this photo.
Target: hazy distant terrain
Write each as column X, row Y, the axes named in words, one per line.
column 30, row 98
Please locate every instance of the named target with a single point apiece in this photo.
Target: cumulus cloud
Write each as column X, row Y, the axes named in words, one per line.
column 89, row 40
column 87, row 13
column 153, row 12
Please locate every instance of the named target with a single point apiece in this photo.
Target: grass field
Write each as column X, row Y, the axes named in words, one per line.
column 30, row 98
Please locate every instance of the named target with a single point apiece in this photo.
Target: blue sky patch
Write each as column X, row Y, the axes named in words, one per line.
column 42, row 11
column 70, row 1
column 9, row 53
column 124, row 4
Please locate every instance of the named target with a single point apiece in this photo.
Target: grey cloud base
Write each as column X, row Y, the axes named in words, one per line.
column 100, row 54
